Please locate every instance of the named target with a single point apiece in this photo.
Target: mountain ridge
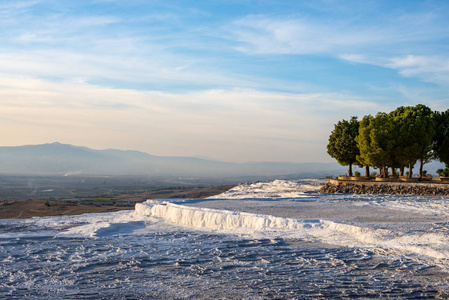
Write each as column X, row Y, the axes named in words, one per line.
column 59, row 158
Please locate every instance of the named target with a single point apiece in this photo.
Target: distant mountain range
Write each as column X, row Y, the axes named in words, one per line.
column 64, row 159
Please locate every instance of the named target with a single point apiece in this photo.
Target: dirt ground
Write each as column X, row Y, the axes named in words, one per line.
column 21, row 209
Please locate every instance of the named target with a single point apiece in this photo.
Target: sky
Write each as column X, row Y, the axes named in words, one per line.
column 235, row 81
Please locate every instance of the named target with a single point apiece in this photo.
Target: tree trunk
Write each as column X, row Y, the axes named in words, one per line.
column 392, row 171
column 420, row 168
column 350, row 170
column 410, row 170
column 367, row 171
column 384, row 170
column 401, row 170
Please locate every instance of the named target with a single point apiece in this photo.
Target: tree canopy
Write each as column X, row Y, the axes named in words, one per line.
column 375, row 141
column 441, row 140
column 342, row 145
column 397, row 139
column 414, row 128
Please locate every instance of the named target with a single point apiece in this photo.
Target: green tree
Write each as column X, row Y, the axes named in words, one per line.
column 441, row 139
column 405, row 149
column 425, row 131
column 443, row 173
column 364, row 137
column 375, row 142
column 414, row 131
column 402, row 137
column 342, row 145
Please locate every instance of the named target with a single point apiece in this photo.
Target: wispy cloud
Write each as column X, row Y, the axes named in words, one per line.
column 360, row 29
column 266, row 35
column 401, row 39
column 429, row 68
column 11, row 6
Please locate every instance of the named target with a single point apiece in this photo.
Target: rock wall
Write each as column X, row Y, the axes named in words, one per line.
column 423, row 189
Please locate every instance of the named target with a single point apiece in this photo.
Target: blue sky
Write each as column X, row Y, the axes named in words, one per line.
column 230, row 80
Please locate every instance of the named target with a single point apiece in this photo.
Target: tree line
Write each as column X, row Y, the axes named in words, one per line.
column 396, row 140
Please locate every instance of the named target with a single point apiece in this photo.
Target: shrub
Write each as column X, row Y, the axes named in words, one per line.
column 443, row 173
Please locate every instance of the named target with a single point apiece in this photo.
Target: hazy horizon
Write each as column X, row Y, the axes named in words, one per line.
column 151, row 154
column 65, row 159
column 229, row 80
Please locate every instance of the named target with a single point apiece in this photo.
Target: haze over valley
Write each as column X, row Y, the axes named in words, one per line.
column 64, row 159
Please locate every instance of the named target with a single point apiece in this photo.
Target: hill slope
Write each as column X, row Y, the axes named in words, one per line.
column 57, row 158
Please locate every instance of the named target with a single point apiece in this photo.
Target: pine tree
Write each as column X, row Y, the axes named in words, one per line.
column 342, row 145
column 441, row 139
column 375, row 142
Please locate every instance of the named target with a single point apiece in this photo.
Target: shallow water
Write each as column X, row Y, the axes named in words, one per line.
column 200, row 265
column 130, row 255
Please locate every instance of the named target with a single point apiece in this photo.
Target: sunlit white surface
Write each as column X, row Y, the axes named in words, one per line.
column 332, row 245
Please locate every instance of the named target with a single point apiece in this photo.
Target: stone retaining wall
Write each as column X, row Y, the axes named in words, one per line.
column 375, row 187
